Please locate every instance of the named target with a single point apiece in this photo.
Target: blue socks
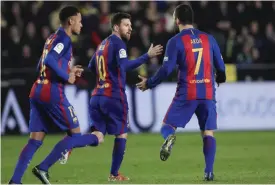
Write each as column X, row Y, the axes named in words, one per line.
column 24, row 159
column 86, row 140
column 61, row 147
column 76, row 141
column 209, row 151
column 167, row 130
column 118, row 153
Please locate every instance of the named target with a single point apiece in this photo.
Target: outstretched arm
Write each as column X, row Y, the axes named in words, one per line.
column 169, row 63
column 132, row 64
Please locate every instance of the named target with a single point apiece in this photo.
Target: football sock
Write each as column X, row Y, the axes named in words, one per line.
column 209, row 151
column 65, row 145
column 86, row 139
column 24, row 159
column 118, row 153
column 167, row 130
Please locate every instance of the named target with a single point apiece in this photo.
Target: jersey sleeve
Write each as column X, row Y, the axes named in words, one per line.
column 122, row 58
column 92, row 62
column 217, row 57
column 59, row 47
column 218, row 61
column 169, row 63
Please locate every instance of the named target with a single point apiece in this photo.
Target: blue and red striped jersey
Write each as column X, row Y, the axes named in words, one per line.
column 110, row 64
column 54, row 68
column 196, row 55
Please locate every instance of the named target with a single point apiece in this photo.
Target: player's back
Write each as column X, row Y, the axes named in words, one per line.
column 196, row 60
column 110, row 74
column 49, row 87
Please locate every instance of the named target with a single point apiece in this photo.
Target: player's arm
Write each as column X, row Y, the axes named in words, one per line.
column 169, row 63
column 92, row 62
column 122, row 59
column 60, row 46
column 218, row 62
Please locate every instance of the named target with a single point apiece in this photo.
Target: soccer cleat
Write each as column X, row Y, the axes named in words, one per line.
column 65, row 157
column 11, row 182
column 209, row 176
column 41, row 175
column 119, row 177
column 166, row 148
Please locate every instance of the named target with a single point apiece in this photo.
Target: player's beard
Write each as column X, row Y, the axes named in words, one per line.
column 124, row 38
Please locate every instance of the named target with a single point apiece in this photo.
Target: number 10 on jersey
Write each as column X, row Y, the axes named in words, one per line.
column 100, row 61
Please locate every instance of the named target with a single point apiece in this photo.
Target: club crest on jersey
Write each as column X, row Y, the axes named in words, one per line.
column 58, row 48
column 165, row 59
column 101, row 47
column 122, row 53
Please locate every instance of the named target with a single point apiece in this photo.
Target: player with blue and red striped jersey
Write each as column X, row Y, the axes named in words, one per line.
column 199, row 62
column 48, row 102
column 108, row 104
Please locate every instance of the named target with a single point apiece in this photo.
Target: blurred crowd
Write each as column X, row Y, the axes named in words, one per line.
column 244, row 30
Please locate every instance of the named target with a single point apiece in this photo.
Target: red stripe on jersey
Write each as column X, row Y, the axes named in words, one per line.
column 33, row 90
column 107, row 90
column 207, row 66
column 123, row 103
column 191, row 63
column 45, row 93
column 62, row 106
column 46, row 88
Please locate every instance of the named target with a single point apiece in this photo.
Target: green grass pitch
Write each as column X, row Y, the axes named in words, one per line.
column 242, row 157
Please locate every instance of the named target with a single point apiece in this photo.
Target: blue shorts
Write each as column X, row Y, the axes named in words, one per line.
column 44, row 115
column 108, row 115
column 181, row 111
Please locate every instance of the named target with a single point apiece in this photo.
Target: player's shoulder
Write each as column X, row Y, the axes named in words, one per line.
column 62, row 37
column 173, row 40
column 210, row 36
column 115, row 40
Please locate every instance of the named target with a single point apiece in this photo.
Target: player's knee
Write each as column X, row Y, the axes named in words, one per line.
column 99, row 136
column 39, row 136
column 208, row 133
column 125, row 135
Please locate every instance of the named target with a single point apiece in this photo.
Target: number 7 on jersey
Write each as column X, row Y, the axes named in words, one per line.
column 198, row 63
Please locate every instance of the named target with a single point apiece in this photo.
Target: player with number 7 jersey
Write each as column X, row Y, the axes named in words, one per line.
column 199, row 63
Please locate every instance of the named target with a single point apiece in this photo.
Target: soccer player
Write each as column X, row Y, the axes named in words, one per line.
column 108, row 104
column 48, row 102
column 196, row 55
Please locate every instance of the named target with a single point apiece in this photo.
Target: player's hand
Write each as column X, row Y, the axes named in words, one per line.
column 77, row 70
column 72, row 77
column 142, row 85
column 220, row 77
column 155, row 51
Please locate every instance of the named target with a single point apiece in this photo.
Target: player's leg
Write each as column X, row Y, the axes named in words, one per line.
column 26, row 155
column 74, row 140
column 117, row 158
column 116, row 111
column 178, row 115
column 37, row 129
column 98, row 125
column 207, row 117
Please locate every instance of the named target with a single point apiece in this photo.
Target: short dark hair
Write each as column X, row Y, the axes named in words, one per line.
column 117, row 17
column 184, row 13
column 67, row 12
